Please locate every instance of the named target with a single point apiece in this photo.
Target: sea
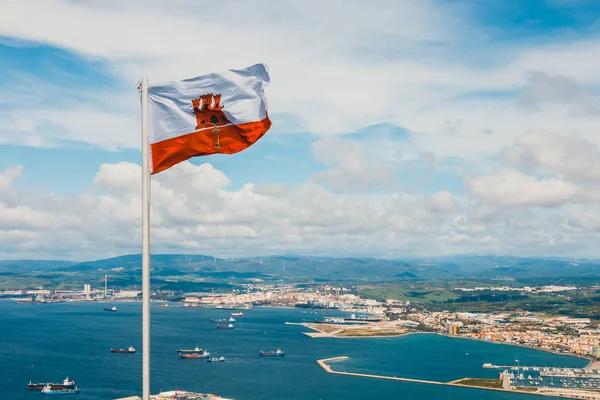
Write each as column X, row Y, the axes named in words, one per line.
column 48, row 342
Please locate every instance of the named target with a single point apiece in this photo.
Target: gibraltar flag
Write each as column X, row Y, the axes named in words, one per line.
column 216, row 113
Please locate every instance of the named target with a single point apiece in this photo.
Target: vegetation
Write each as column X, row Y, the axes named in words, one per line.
column 480, row 382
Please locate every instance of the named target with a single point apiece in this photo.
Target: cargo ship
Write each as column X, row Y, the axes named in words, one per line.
column 237, row 314
column 216, row 359
column 196, row 350
column 164, row 306
column 113, row 309
column 48, row 390
column 204, row 354
column 130, row 349
column 277, row 353
column 218, row 320
column 228, row 326
column 67, row 384
column 192, row 306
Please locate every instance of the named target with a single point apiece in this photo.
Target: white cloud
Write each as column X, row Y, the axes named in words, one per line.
column 353, row 169
column 194, row 212
column 566, row 155
column 512, row 188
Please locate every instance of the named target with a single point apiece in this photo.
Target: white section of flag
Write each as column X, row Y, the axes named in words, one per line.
column 170, row 104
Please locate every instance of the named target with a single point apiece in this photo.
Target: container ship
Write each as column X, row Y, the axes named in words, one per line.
column 277, row 353
column 112, row 309
column 130, row 350
column 67, row 384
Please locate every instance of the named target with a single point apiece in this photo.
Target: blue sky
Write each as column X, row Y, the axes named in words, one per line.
column 435, row 118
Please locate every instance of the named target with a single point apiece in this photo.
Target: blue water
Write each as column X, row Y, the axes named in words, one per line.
column 49, row 342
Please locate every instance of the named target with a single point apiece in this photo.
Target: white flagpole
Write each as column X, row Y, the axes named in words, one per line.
column 145, row 246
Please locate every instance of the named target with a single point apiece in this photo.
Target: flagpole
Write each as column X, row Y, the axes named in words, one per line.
column 145, row 246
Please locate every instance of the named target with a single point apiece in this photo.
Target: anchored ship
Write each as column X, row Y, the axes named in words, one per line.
column 67, row 384
column 204, row 354
column 113, row 308
column 229, row 326
column 48, row 390
column 276, row 353
column 196, row 350
column 130, row 349
column 237, row 314
column 216, row 359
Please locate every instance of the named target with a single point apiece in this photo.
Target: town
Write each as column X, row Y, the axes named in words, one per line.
column 353, row 315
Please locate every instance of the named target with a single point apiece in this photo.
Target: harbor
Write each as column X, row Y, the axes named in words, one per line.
column 507, row 381
column 262, row 328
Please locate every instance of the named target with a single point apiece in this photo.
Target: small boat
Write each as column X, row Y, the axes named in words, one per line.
column 216, row 359
column 130, row 349
column 67, row 384
column 48, row 390
column 113, row 309
column 204, row 354
column 195, row 350
column 229, row 326
column 237, row 314
column 277, row 353
column 231, row 319
column 164, row 306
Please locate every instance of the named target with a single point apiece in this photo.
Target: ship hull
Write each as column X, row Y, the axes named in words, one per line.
column 40, row 386
column 58, row 392
column 192, row 356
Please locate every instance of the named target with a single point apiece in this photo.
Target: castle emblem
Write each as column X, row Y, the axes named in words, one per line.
column 208, row 111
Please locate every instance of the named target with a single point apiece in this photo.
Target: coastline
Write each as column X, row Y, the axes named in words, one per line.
column 592, row 363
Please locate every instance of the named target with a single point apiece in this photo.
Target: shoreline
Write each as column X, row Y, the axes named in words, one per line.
column 592, row 363
column 581, row 356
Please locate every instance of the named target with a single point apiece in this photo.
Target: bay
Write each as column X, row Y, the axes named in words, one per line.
column 49, row 342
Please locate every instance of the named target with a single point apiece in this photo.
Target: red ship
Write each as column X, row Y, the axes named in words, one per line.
column 229, row 326
column 194, row 355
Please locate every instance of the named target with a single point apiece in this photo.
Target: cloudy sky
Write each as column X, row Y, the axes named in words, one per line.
column 400, row 128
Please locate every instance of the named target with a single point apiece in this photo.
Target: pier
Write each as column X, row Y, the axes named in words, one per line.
column 327, row 368
column 543, row 391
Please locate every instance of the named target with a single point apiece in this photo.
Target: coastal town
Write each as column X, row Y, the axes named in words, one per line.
column 357, row 316
column 330, row 311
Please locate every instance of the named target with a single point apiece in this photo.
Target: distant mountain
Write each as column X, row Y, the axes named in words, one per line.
column 170, row 270
column 16, row 266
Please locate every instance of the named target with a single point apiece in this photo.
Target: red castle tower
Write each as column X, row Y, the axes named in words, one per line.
column 208, row 113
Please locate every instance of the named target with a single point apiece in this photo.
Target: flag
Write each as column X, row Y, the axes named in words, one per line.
column 216, row 113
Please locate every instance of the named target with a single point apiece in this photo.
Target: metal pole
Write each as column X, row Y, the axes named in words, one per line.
column 145, row 246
